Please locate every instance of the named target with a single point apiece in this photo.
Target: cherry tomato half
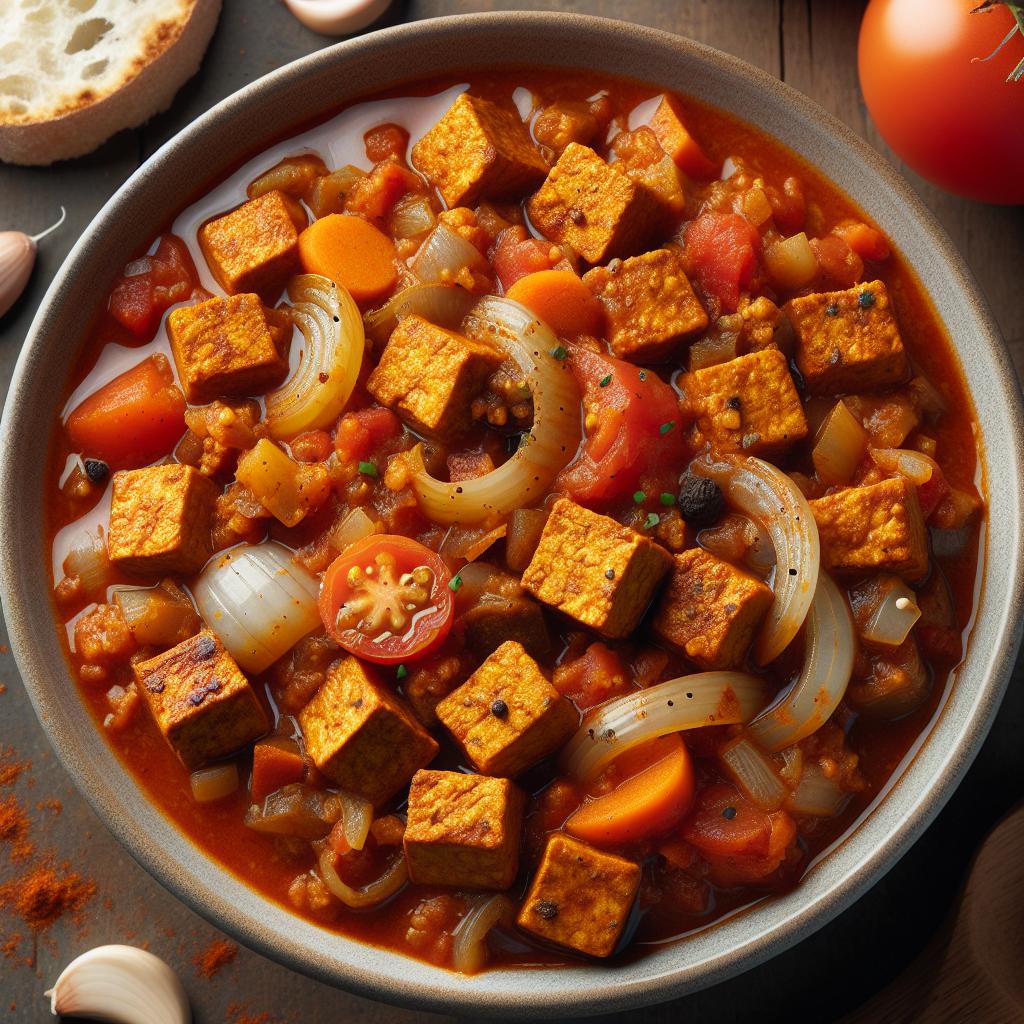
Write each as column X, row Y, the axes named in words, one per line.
column 387, row 599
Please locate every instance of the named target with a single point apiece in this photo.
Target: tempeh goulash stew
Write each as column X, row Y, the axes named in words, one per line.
column 518, row 520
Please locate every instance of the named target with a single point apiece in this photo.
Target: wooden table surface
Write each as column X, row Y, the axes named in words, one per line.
column 812, row 45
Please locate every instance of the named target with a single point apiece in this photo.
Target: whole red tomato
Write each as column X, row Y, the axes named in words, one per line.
column 953, row 117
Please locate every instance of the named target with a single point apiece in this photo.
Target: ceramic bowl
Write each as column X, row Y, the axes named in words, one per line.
column 272, row 107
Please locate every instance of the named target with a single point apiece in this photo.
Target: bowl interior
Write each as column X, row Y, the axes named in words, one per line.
column 272, row 108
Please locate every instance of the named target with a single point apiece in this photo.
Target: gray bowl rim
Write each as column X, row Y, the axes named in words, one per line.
column 882, row 835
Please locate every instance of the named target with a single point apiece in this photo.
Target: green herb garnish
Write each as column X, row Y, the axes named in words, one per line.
column 455, row 583
column 639, row 497
column 368, row 468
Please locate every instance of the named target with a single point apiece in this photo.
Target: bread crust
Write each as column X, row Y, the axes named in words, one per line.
column 170, row 54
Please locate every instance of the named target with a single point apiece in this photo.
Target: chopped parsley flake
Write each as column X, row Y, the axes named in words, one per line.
column 455, row 583
column 667, row 499
column 639, row 497
column 866, row 300
column 368, row 468
column 653, row 519
column 666, row 427
column 605, row 381
column 402, row 672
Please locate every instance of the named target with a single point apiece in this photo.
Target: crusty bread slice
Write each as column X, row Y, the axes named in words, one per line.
column 74, row 72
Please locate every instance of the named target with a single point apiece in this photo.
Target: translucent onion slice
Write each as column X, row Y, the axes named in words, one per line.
column 369, row 895
column 840, row 446
column 764, row 493
column 209, row 784
column 87, row 559
column 817, row 795
column 753, row 773
column 894, row 615
column 315, row 395
column 443, row 255
column 259, row 601
column 828, row 662
column 469, row 946
column 445, row 305
column 356, row 819
column 551, row 443
column 689, row 702
column 917, row 467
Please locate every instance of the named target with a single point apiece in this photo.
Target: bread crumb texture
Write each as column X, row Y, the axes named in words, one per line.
column 60, row 58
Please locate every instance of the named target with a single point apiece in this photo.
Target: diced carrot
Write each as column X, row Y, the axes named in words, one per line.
column 352, row 252
column 561, row 300
column 654, row 797
column 867, row 242
column 134, row 419
column 274, row 765
column 676, row 140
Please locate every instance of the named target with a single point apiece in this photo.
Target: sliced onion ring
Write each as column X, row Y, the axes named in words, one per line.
column 444, row 254
column 828, row 662
column 315, row 395
column 369, row 895
column 356, row 819
column 689, row 702
column 444, row 305
column 765, row 493
column 259, row 601
column 469, row 947
column 553, row 440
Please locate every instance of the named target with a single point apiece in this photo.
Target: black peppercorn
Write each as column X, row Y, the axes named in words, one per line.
column 96, row 470
column 499, row 708
column 547, row 909
column 701, row 501
column 729, row 813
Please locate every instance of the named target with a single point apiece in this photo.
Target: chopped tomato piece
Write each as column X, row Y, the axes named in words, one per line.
column 134, row 419
column 275, row 764
column 633, row 428
column 594, row 677
column 155, row 283
column 386, row 140
column 387, row 599
column 374, row 196
column 516, row 254
column 837, row 262
column 726, row 823
column 359, row 433
column 654, row 795
column 741, row 843
column 722, row 250
column 311, row 446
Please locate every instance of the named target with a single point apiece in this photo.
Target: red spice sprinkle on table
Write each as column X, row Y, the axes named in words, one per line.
column 215, row 957
column 10, row 768
column 14, row 829
column 42, row 896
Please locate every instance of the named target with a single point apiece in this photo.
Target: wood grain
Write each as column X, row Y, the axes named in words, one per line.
column 812, row 44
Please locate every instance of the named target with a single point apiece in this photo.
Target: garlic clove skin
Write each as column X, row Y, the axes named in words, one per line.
column 121, row 985
column 17, row 258
column 337, row 17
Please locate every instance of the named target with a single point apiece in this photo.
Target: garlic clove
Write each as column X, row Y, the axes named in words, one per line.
column 17, row 258
column 121, row 985
column 337, row 17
